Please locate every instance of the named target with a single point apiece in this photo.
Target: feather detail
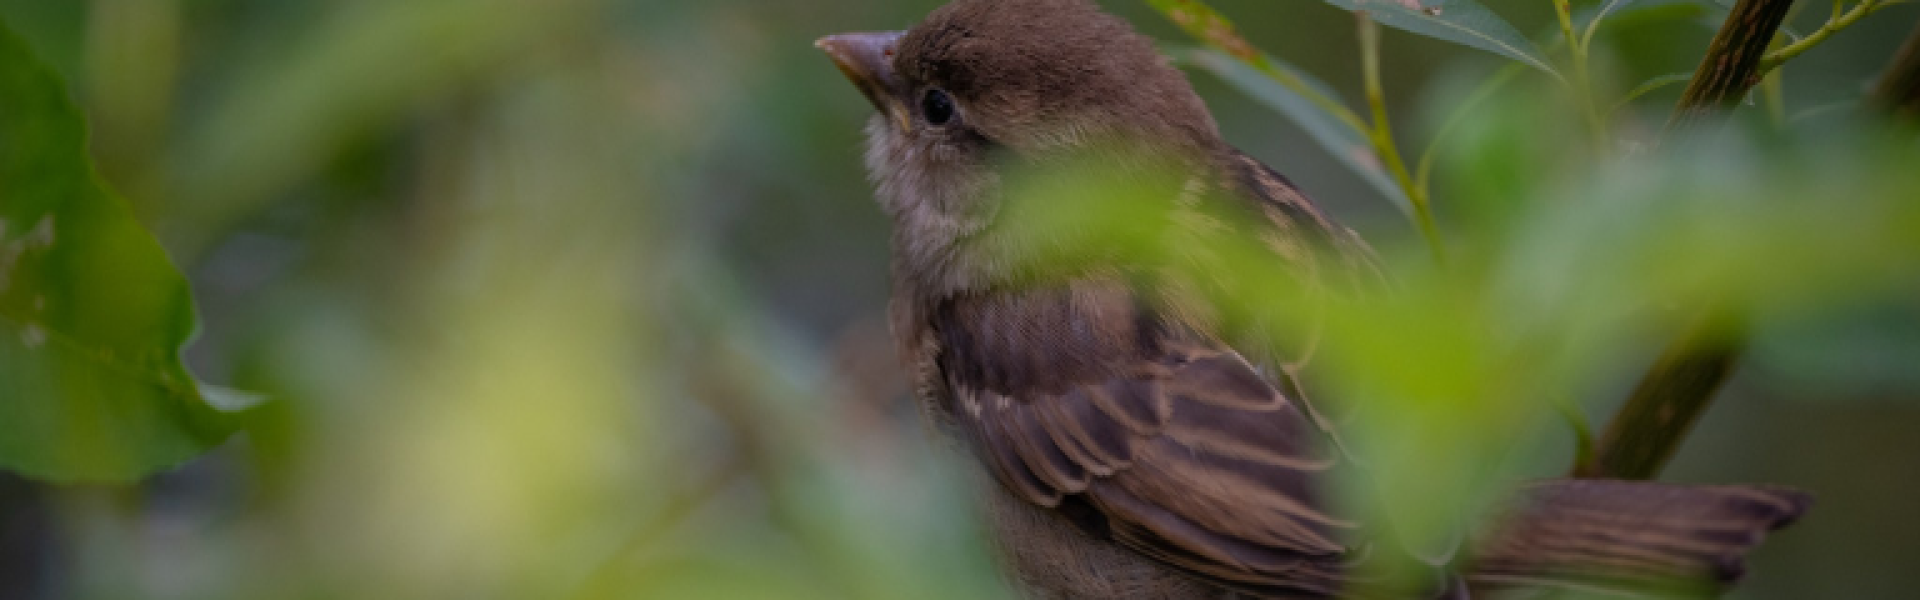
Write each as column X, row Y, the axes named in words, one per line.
column 1176, row 446
column 1630, row 535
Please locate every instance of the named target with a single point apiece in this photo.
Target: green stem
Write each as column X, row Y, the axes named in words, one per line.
column 1833, row 25
column 1381, row 135
column 1564, row 10
column 1582, row 80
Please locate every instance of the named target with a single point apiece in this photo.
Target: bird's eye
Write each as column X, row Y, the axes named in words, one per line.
column 937, row 107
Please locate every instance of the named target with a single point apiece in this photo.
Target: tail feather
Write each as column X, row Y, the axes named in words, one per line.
column 1630, row 535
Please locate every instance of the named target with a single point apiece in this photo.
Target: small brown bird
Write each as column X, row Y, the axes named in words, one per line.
column 1143, row 445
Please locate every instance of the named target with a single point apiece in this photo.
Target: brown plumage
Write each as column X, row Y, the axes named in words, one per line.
column 1140, row 445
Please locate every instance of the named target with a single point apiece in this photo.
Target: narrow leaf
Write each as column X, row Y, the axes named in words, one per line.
column 1346, row 144
column 92, row 313
column 1214, row 30
column 1605, row 9
column 1463, row 22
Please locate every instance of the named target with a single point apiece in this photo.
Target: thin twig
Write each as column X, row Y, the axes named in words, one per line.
column 1582, row 79
column 1833, row 25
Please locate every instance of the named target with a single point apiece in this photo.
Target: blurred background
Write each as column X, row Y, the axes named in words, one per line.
column 584, row 298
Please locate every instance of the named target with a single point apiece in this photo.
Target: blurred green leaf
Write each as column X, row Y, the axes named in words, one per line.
column 1578, row 259
column 1462, row 22
column 287, row 113
column 524, row 276
column 1344, row 143
column 93, row 313
column 1806, row 228
column 55, row 30
column 867, row 524
column 1490, row 159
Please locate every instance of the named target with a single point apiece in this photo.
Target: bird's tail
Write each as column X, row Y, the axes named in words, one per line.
column 1629, row 535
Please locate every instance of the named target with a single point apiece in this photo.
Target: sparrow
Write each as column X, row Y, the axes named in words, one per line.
column 1136, row 442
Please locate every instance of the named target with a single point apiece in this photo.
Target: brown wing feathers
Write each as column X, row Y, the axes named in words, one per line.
column 1630, row 534
column 1179, row 448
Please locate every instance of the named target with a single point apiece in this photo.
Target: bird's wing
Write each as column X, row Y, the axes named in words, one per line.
column 1083, row 402
column 1301, row 232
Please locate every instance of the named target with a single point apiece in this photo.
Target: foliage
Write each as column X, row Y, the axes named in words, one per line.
column 93, row 314
column 1467, row 348
column 586, row 299
column 1565, row 282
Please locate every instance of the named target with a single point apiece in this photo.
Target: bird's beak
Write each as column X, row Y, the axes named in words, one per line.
column 867, row 61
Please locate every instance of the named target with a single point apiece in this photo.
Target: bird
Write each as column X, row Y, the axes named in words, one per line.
column 1134, row 441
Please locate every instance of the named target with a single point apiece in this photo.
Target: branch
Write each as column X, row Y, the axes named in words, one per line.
column 1899, row 89
column 1732, row 64
column 1673, row 393
column 1664, row 406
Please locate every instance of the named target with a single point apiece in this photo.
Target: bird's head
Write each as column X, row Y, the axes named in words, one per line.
column 982, row 86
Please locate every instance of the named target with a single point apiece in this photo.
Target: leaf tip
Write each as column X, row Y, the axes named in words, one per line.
column 226, row 399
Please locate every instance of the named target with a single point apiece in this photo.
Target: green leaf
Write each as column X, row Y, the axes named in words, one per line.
column 1462, row 22
column 92, row 313
column 275, row 121
column 1343, row 142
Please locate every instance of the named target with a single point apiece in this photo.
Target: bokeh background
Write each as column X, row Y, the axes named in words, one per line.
column 584, row 298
